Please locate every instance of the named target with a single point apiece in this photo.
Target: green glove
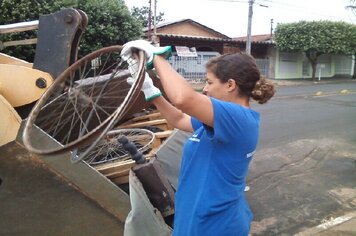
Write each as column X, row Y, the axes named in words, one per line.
column 149, row 50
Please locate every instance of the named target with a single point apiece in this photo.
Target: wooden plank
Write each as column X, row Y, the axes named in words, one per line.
column 121, row 180
column 160, row 137
column 147, row 117
column 163, row 134
column 145, row 123
column 116, row 174
column 118, row 171
column 152, row 153
column 157, row 142
column 108, row 168
column 141, row 118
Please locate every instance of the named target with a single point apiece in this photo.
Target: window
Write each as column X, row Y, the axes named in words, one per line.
column 288, row 57
column 306, row 68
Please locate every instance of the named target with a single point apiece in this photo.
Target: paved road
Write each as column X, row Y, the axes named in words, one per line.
column 297, row 112
column 303, row 173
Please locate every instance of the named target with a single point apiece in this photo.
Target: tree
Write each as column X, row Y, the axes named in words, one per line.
column 20, row 12
column 352, row 8
column 316, row 38
column 110, row 23
column 142, row 14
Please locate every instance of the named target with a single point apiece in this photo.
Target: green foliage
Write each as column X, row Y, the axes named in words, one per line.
column 142, row 14
column 316, row 38
column 324, row 37
column 19, row 12
column 110, row 23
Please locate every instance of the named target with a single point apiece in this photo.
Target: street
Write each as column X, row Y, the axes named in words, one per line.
column 304, row 171
column 296, row 113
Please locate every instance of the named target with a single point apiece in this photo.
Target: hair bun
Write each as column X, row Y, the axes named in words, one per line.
column 263, row 90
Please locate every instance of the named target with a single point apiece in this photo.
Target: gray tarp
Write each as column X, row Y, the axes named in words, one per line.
column 169, row 155
column 143, row 218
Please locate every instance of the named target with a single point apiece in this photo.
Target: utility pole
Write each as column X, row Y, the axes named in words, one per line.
column 271, row 27
column 149, row 19
column 249, row 23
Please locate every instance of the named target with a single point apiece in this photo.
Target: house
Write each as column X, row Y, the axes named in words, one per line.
column 262, row 49
column 295, row 65
column 190, row 33
column 206, row 42
column 272, row 63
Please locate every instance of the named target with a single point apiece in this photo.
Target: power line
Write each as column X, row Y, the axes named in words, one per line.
column 239, row 1
column 249, row 21
column 286, row 6
column 299, row 8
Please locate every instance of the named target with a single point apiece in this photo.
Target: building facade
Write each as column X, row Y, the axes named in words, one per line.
column 272, row 63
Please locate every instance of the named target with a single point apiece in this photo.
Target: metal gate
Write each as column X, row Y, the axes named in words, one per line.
column 192, row 68
column 263, row 66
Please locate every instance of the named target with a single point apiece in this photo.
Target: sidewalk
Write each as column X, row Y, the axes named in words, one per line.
column 293, row 82
column 299, row 82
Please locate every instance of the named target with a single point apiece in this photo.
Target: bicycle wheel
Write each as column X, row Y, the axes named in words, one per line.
column 84, row 100
column 110, row 149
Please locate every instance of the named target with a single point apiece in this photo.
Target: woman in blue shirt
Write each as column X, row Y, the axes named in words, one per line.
column 209, row 197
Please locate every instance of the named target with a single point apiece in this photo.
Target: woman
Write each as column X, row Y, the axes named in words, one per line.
column 209, row 197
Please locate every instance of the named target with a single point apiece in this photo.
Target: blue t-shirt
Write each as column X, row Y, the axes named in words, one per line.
column 209, row 197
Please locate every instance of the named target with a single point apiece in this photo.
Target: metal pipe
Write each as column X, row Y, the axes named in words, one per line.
column 249, row 23
column 19, row 27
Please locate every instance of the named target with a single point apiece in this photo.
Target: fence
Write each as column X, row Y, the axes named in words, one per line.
column 193, row 68
column 18, row 27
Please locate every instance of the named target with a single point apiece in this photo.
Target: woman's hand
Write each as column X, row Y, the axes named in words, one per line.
column 149, row 49
column 147, row 88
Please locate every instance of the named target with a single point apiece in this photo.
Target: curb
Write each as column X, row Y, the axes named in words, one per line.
column 298, row 82
column 329, row 225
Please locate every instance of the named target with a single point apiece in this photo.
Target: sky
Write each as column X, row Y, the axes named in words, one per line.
column 230, row 17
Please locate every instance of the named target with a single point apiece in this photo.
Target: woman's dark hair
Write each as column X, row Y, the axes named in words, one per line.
column 243, row 69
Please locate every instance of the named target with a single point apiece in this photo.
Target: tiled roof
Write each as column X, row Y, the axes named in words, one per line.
column 256, row 39
column 194, row 37
column 165, row 24
column 261, row 39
